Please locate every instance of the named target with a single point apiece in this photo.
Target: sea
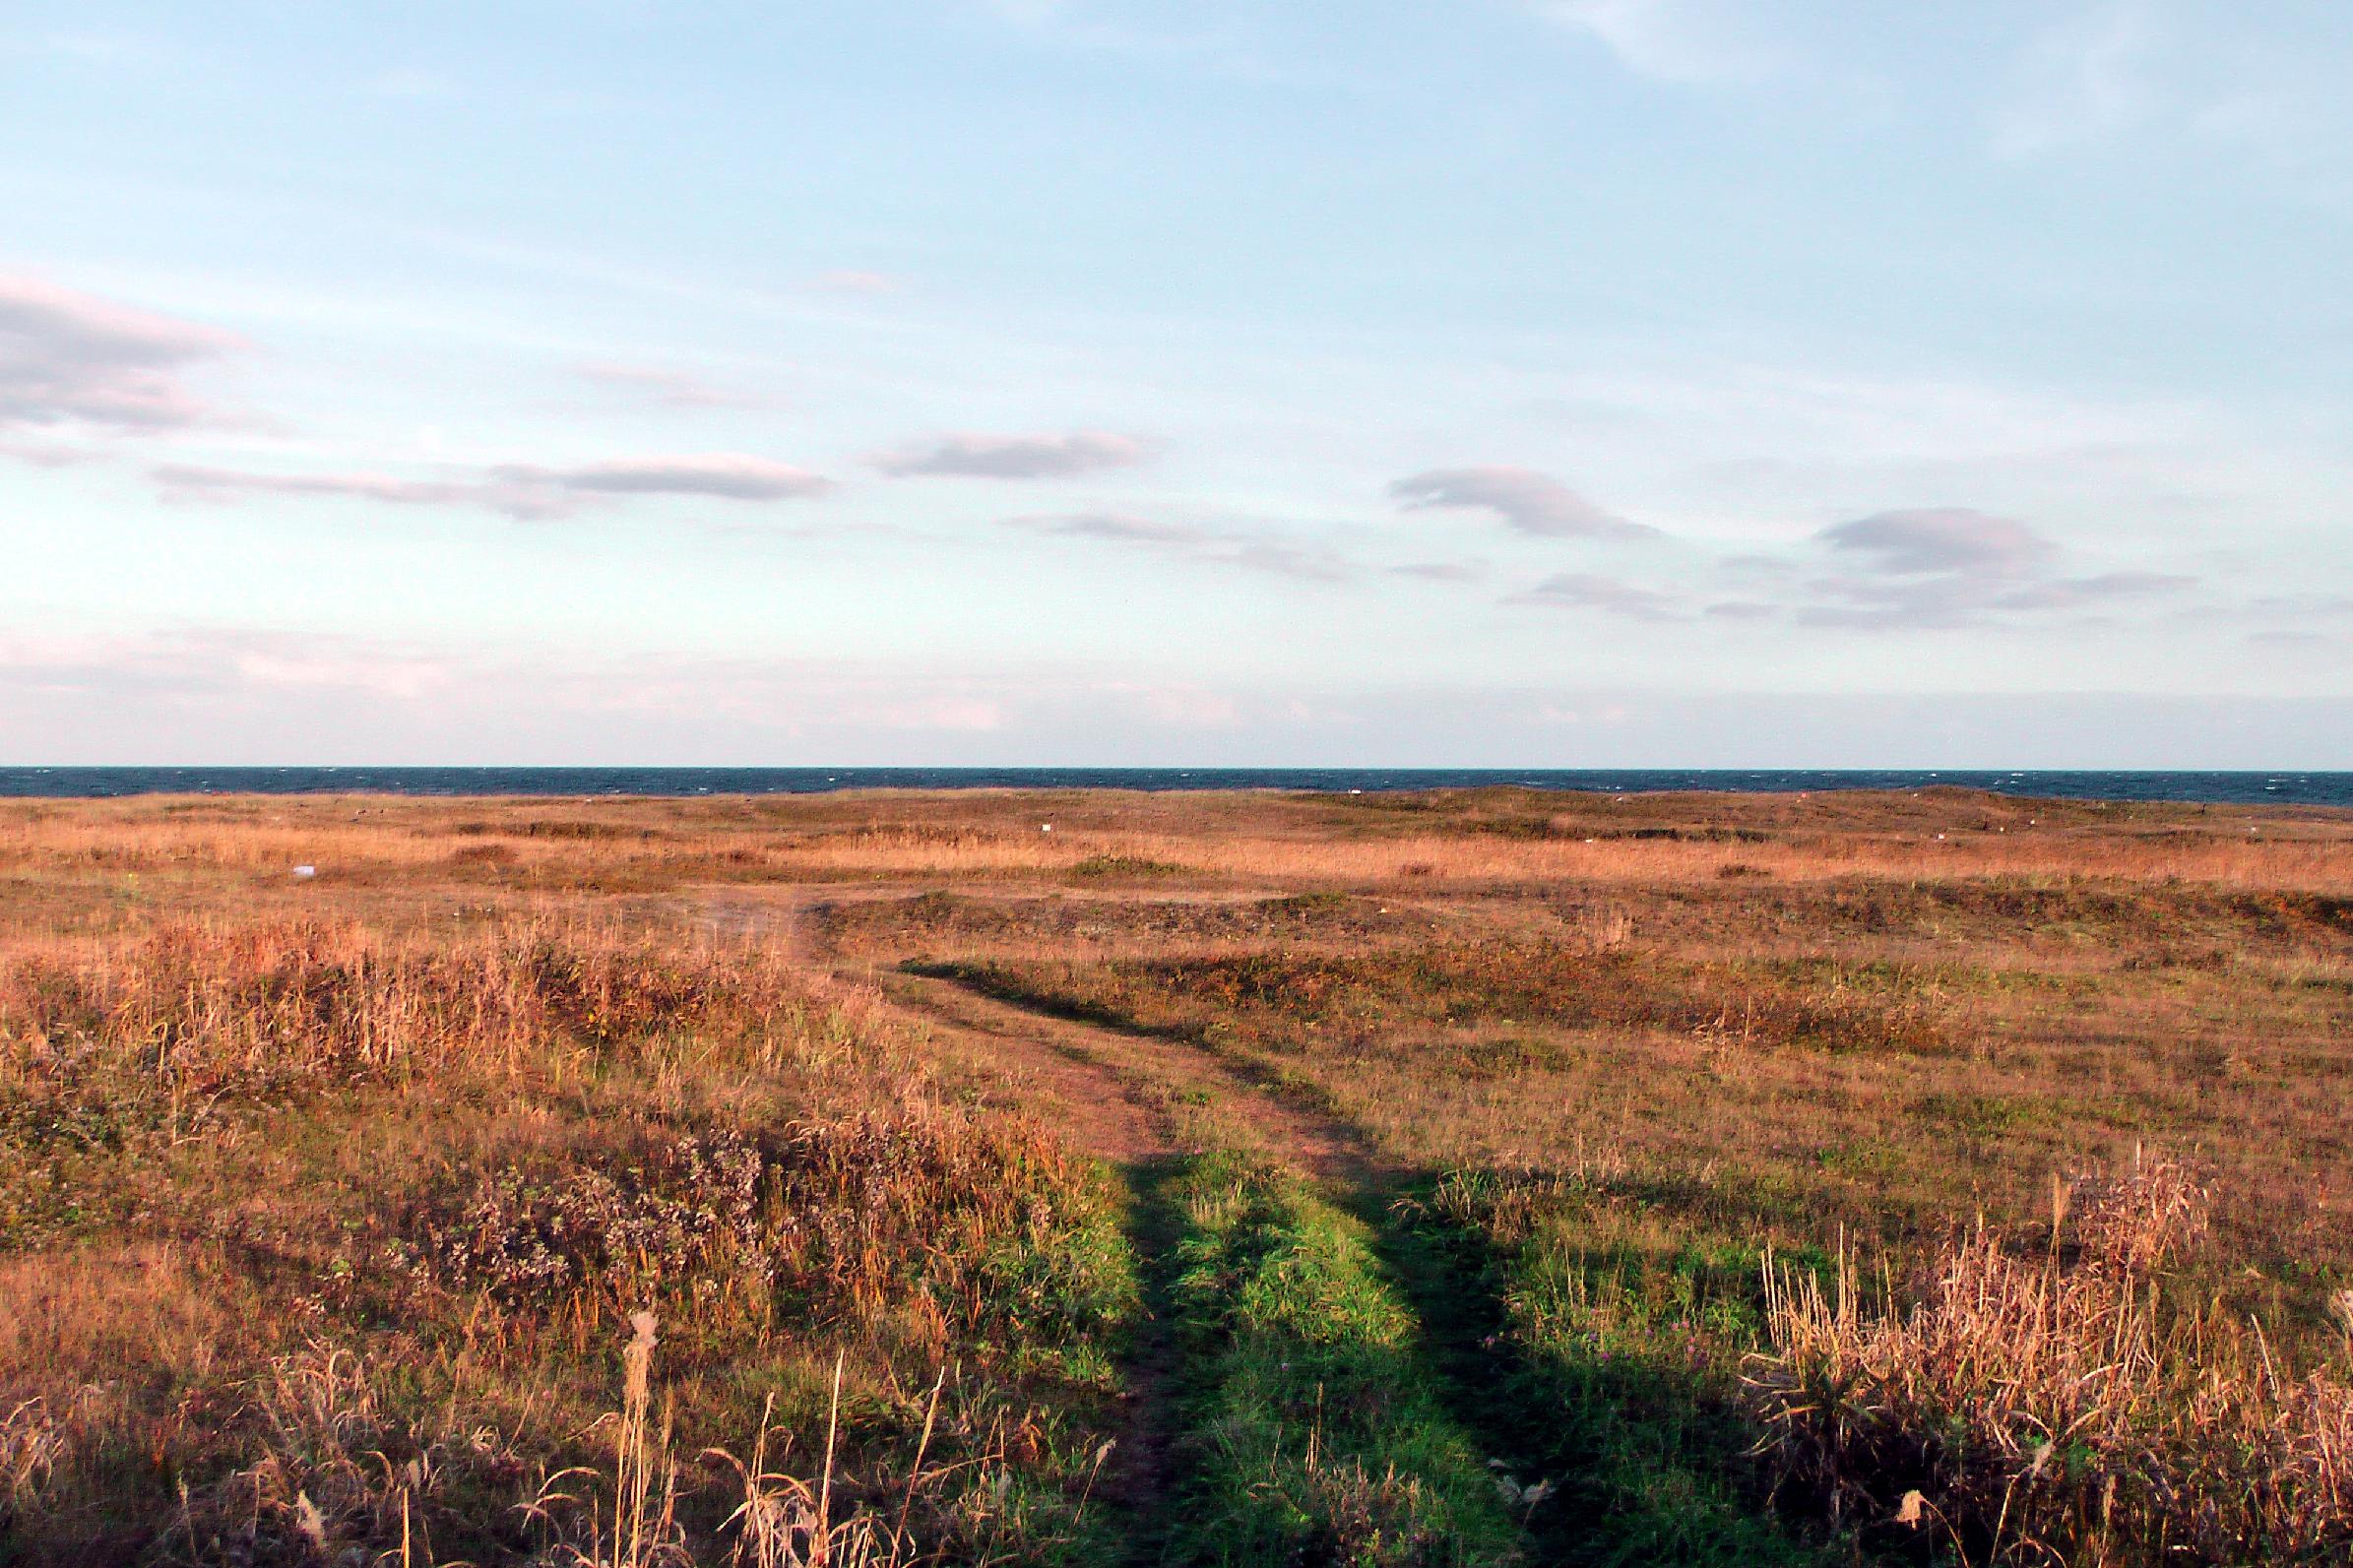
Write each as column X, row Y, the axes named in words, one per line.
column 2246, row 788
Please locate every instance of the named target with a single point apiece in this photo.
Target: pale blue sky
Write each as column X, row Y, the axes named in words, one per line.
column 1455, row 382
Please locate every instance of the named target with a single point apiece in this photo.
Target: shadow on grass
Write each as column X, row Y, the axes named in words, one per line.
column 1621, row 1455
column 993, row 982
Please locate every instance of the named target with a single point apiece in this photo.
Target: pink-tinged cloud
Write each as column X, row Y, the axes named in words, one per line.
column 1526, row 500
column 523, row 491
column 1013, row 456
column 67, row 357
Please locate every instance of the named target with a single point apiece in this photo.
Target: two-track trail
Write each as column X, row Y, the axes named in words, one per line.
column 1135, row 1100
column 1122, row 1095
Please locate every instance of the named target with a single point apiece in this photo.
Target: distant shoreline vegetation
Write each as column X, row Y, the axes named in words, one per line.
column 2284, row 788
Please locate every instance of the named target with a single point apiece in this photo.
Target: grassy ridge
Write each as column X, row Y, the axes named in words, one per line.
column 1319, row 1434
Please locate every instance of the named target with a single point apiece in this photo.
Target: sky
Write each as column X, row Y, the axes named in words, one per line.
column 1457, row 383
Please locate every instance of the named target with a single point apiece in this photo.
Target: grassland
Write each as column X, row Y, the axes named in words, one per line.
column 1090, row 1178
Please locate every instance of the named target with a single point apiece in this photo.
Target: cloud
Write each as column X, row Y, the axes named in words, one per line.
column 1941, row 567
column 1740, row 610
column 1940, row 539
column 1014, row 457
column 1111, row 526
column 1965, row 599
column 1667, row 40
column 73, row 358
column 191, row 481
column 671, row 388
column 1241, row 548
column 2302, row 604
column 2081, row 78
column 217, row 696
column 2071, row 592
column 730, row 476
column 1529, row 501
column 1441, row 571
column 523, row 491
column 1586, row 591
column 1312, row 563
column 46, row 454
column 205, row 666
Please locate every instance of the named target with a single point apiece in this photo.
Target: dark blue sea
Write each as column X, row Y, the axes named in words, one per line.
column 2252, row 788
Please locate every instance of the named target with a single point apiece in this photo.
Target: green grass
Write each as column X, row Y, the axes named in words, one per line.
column 1319, row 1432
column 1618, row 1345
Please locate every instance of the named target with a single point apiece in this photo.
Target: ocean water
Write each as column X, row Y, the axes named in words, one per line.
column 2252, row 788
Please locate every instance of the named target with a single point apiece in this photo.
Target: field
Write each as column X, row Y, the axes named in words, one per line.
column 1462, row 1178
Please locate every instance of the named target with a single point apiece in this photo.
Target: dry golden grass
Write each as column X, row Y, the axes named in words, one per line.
column 2050, row 1407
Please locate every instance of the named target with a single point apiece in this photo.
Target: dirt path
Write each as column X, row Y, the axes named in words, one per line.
column 1111, row 1116
column 1127, row 1097
column 1169, row 1076
column 1132, row 1100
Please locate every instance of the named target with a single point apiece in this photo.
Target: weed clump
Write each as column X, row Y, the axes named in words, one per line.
column 2050, row 1404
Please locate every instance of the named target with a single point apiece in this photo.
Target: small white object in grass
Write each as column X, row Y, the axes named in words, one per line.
column 306, row 871
column 1045, row 827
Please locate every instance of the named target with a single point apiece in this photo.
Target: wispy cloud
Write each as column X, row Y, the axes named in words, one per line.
column 1014, row 457
column 1242, row 548
column 730, row 476
column 1680, row 41
column 1441, row 571
column 208, row 664
column 1314, row 563
column 1940, row 539
column 520, row 490
column 1587, row 591
column 188, row 481
column 67, row 357
column 672, row 389
column 1951, row 566
column 1111, row 526
column 2082, row 77
column 2077, row 592
column 1529, row 501
column 854, row 280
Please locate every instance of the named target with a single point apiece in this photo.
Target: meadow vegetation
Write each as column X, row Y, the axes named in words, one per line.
column 1053, row 1178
